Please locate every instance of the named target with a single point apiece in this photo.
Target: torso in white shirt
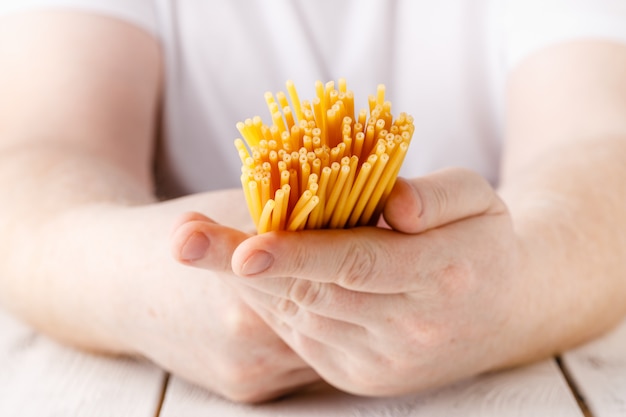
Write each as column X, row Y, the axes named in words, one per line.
column 432, row 56
column 444, row 62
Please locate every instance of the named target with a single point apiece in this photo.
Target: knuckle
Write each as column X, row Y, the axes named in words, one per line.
column 305, row 293
column 436, row 204
column 421, row 336
column 240, row 322
column 300, row 258
column 286, row 306
column 412, row 333
column 358, row 264
column 455, row 278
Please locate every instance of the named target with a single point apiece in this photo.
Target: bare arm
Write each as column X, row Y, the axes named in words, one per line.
column 469, row 280
column 77, row 122
column 564, row 182
column 84, row 245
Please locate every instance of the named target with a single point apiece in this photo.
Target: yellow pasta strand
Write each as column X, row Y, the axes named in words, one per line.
column 302, row 214
column 391, row 171
column 316, row 217
column 266, row 216
column 304, row 198
column 343, row 197
column 277, row 214
column 255, row 200
column 279, row 122
column 391, row 183
column 318, row 164
column 295, row 100
column 265, row 191
column 288, row 118
column 359, row 184
column 285, row 206
column 335, row 193
column 380, row 94
column 368, row 190
column 247, row 194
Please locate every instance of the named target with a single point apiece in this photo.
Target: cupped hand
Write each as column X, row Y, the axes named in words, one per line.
column 194, row 324
column 380, row 311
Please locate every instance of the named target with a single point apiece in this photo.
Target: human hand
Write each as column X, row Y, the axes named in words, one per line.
column 186, row 320
column 384, row 312
column 233, row 351
column 85, row 254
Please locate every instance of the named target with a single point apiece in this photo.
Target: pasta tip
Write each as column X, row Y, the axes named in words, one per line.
column 319, row 164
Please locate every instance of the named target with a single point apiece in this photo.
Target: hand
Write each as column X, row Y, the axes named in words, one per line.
column 117, row 289
column 211, row 336
column 384, row 312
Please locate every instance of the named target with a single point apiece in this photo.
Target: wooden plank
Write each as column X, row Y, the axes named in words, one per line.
column 39, row 377
column 598, row 370
column 534, row 390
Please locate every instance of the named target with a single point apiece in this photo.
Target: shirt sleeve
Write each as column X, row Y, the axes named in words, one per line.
column 140, row 13
column 530, row 25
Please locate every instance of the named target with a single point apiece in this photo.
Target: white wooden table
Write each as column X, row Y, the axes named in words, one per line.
column 39, row 377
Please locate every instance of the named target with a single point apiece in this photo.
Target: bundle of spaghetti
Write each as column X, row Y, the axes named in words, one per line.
column 319, row 164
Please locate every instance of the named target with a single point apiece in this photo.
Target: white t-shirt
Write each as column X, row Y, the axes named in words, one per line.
column 444, row 62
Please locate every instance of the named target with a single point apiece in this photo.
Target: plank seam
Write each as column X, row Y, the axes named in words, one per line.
column 166, row 381
column 573, row 387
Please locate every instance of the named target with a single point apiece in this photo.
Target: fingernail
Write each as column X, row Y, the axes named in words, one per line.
column 196, row 247
column 258, row 262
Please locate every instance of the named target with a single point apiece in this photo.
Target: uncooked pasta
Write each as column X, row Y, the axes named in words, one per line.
column 318, row 164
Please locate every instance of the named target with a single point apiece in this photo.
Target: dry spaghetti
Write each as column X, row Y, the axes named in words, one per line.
column 319, row 164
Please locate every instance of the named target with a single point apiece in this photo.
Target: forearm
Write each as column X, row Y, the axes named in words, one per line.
column 43, row 185
column 80, row 241
column 567, row 207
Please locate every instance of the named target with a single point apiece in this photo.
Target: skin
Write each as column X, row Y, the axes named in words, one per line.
column 469, row 279
column 465, row 279
column 91, row 265
column 370, row 324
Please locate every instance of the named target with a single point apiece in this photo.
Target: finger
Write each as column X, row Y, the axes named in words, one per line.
column 335, row 366
column 188, row 217
column 374, row 260
column 340, row 335
column 364, row 259
column 328, row 300
column 205, row 244
column 438, row 199
column 318, row 354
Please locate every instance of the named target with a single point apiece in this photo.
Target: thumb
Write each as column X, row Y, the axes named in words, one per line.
column 440, row 198
column 198, row 241
column 361, row 259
